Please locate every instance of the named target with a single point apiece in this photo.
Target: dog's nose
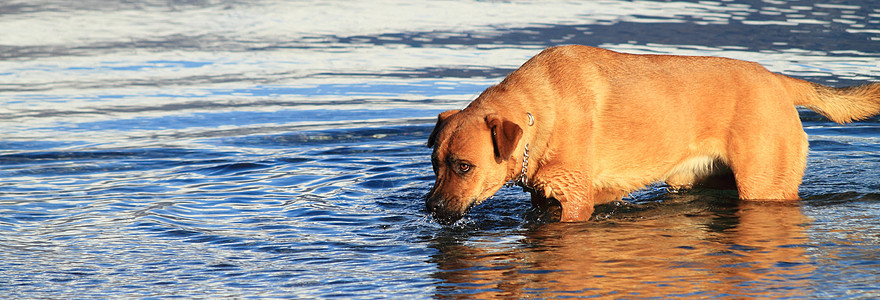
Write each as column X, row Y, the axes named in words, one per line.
column 433, row 205
column 437, row 208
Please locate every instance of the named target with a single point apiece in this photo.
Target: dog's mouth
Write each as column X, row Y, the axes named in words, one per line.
column 447, row 219
column 443, row 214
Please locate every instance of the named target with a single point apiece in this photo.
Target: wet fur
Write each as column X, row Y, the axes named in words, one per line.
column 609, row 123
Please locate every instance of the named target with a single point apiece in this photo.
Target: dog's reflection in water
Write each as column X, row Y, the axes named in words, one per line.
column 687, row 245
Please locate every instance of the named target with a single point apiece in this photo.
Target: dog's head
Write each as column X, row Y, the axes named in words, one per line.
column 470, row 159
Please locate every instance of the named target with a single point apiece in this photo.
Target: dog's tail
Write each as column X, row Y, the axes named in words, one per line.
column 841, row 105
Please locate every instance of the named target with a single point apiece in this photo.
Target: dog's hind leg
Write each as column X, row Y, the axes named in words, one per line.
column 769, row 164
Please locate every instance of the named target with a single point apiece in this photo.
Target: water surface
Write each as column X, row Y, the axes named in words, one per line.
column 275, row 149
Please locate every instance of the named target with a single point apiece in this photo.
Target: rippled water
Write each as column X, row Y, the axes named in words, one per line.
column 275, row 149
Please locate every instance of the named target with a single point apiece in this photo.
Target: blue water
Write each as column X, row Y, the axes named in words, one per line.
column 275, row 149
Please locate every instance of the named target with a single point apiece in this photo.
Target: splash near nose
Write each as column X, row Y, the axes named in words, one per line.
column 441, row 212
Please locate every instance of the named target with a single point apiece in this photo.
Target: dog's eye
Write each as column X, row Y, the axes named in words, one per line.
column 464, row 168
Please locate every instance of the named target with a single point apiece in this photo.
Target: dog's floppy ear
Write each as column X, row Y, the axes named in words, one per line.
column 505, row 136
column 441, row 120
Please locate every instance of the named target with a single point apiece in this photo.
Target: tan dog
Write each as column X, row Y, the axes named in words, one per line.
column 586, row 126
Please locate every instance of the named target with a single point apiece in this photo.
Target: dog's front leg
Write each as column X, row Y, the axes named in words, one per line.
column 550, row 208
column 570, row 189
column 576, row 207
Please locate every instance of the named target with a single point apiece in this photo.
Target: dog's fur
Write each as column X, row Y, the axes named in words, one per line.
column 609, row 123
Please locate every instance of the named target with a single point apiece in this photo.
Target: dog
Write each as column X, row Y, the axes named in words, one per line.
column 578, row 126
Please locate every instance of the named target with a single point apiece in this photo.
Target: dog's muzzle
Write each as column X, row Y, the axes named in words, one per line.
column 441, row 212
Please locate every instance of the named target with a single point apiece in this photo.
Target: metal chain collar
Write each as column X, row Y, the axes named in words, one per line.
column 523, row 179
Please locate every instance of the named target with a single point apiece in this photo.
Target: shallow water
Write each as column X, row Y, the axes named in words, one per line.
column 275, row 149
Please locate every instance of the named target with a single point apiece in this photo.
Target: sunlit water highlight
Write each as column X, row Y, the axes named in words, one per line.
column 275, row 149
